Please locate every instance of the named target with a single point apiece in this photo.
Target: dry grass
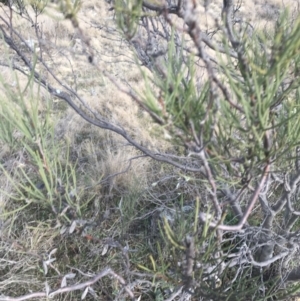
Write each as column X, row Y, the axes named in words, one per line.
column 106, row 208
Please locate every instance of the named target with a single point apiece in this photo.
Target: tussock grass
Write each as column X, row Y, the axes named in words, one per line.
column 55, row 195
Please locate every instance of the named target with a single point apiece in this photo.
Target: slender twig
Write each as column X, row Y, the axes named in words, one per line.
column 196, row 35
column 175, row 294
column 212, row 182
column 238, row 261
column 248, row 210
column 75, row 287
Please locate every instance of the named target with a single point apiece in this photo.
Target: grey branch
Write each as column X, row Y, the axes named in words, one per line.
column 75, row 287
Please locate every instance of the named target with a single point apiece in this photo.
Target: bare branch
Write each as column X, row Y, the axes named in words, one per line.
column 75, row 287
column 249, row 208
column 190, row 259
